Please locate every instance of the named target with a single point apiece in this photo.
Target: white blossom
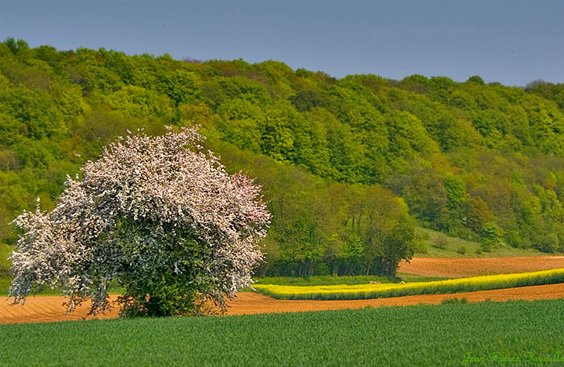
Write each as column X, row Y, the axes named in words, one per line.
column 148, row 207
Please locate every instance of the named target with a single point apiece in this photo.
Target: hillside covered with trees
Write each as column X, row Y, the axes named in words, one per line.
column 348, row 166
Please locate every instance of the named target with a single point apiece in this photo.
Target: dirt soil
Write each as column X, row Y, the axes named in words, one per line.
column 49, row 308
column 463, row 267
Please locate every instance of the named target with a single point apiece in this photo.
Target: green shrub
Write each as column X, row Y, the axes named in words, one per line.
column 461, row 250
column 441, row 241
column 420, row 247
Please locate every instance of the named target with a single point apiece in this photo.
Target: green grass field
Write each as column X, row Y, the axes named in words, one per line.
column 5, row 251
column 4, row 285
column 349, row 279
column 366, row 291
column 429, row 243
column 520, row 333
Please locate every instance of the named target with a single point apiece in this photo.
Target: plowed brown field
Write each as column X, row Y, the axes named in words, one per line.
column 49, row 308
column 465, row 267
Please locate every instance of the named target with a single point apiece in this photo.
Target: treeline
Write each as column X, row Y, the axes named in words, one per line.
column 325, row 227
column 348, row 165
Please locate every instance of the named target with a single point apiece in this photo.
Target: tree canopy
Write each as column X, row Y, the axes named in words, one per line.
column 164, row 222
column 460, row 158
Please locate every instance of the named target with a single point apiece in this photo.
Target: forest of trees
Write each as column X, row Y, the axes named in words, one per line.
column 348, row 166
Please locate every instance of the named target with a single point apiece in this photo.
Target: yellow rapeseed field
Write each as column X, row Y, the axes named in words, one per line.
column 363, row 291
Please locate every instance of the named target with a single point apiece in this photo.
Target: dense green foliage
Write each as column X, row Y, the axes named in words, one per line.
column 348, row 166
column 522, row 333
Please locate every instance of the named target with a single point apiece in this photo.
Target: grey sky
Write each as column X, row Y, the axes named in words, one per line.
column 513, row 42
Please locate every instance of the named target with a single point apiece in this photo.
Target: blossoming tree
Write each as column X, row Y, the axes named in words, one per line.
column 155, row 216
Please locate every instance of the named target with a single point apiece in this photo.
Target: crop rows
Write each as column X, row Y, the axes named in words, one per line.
column 366, row 291
column 521, row 333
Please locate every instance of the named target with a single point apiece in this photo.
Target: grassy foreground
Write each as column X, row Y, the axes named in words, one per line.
column 519, row 333
column 365, row 291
